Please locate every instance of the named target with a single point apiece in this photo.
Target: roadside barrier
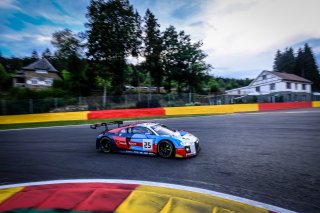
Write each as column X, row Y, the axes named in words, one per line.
column 43, row 117
column 211, row 109
column 153, row 112
column 126, row 113
column 315, row 103
column 286, row 105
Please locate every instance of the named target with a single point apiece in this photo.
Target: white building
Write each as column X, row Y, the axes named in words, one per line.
column 273, row 85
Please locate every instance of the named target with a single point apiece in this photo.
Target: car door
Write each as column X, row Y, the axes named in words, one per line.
column 122, row 139
column 142, row 139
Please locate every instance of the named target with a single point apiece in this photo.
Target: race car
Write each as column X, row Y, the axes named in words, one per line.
column 148, row 139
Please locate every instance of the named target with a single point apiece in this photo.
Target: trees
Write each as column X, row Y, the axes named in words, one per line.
column 309, row 67
column 169, row 57
column 67, row 43
column 304, row 64
column 137, row 42
column 112, row 36
column 183, row 60
column 284, row 62
column 114, row 33
column 47, row 54
column 299, row 66
column 68, row 58
column 34, row 55
column 5, row 78
column 153, row 49
column 277, row 61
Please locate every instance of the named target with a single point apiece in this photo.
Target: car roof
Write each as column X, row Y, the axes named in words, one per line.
column 147, row 124
column 143, row 124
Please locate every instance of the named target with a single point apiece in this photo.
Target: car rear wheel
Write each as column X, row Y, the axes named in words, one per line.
column 165, row 149
column 105, row 145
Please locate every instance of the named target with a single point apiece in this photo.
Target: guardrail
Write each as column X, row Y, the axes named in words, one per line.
column 153, row 112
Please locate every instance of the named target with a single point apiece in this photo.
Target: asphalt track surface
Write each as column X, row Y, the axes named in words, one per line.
column 271, row 157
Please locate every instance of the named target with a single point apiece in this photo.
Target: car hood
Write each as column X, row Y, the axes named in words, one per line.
column 184, row 136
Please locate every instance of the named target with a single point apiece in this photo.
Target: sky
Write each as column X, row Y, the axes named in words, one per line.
column 240, row 37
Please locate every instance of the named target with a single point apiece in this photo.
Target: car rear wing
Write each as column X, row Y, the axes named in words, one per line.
column 94, row 126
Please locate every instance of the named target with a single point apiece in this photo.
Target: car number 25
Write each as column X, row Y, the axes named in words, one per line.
column 147, row 144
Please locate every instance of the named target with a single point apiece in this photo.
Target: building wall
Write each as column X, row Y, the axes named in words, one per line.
column 239, row 91
column 295, row 87
column 262, row 85
column 40, row 78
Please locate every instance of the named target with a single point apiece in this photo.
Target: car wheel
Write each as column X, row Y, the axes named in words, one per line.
column 166, row 149
column 105, row 145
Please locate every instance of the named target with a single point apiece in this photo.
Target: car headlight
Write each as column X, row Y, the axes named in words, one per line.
column 185, row 143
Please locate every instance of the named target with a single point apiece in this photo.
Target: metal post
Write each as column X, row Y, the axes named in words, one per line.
column 126, row 100
column 3, row 107
column 149, row 90
column 55, row 103
column 30, row 106
column 104, row 97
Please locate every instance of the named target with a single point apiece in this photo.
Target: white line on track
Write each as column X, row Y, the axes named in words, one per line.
column 168, row 185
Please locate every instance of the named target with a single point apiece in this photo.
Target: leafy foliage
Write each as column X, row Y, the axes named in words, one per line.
column 304, row 64
column 285, row 62
column 112, row 36
column 67, row 43
column 153, row 49
column 5, row 79
column 183, row 60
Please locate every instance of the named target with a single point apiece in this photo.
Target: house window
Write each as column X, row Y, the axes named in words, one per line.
column 296, row 86
column 48, row 82
column 42, row 71
column 257, row 89
column 264, row 77
column 34, row 81
column 288, row 85
column 272, row 86
column 303, row 87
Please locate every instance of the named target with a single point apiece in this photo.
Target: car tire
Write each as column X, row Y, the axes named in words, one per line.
column 105, row 145
column 165, row 149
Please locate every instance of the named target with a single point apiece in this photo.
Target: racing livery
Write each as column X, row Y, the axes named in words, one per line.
column 147, row 138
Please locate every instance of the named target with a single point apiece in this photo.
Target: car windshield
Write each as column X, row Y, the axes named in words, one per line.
column 162, row 130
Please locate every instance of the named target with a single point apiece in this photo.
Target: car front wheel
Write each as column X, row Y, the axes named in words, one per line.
column 166, row 149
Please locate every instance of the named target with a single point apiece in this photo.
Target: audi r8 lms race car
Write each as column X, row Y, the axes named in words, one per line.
column 146, row 138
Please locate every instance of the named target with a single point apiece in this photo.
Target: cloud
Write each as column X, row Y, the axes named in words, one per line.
column 247, row 33
column 240, row 37
column 9, row 4
column 21, row 31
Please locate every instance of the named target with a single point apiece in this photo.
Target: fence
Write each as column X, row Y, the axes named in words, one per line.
column 29, row 106
column 15, row 107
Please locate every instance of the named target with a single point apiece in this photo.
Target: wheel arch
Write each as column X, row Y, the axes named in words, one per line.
column 100, row 138
column 170, row 141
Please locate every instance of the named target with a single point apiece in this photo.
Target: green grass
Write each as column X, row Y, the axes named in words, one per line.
column 78, row 122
